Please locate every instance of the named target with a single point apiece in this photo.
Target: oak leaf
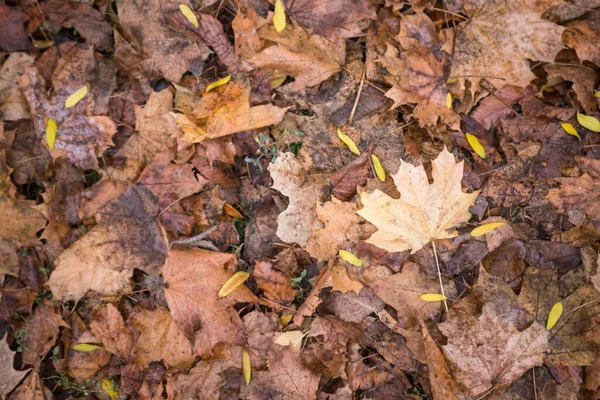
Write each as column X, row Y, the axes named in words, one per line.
column 424, row 212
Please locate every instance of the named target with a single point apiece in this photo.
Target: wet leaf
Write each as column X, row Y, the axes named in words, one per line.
column 232, row 283
column 570, row 129
column 76, row 97
column 379, row 171
column 431, row 297
column 218, row 83
column 350, row 258
column 588, row 122
column 189, row 15
column 476, row 145
column 485, row 228
column 246, row 367
column 279, row 16
column 348, row 142
column 554, row 315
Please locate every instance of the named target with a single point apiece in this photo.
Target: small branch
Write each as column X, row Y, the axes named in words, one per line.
column 437, row 264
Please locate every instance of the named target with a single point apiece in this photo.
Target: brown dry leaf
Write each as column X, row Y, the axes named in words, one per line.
column 276, row 286
column 500, row 37
column 583, row 35
column 424, row 212
column 214, row 120
column 345, row 180
column 340, row 280
column 32, row 389
column 499, row 105
column 295, row 224
column 353, row 307
column 79, row 137
column 108, row 327
column 403, row 292
column 13, row 104
column 245, row 27
column 165, row 52
column 28, row 156
column 203, row 382
column 10, row 377
column 193, row 277
column 577, row 194
column 42, row 330
column 82, row 365
column 310, row 59
column 160, row 340
column 339, row 226
column 489, row 352
column 127, row 236
column 582, row 77
column 442, row 382
column 13, row 35
column 286, row 378
column 312, row 301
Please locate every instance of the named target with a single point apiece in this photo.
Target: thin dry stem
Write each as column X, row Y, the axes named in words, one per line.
column 437, row 264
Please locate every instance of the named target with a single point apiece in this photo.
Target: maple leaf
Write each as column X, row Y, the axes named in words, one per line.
column 424, row 212
column 489, row 351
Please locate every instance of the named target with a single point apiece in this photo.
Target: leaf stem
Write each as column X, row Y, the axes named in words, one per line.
column 437, row 264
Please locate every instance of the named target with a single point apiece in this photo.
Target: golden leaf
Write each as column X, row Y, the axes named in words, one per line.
column 485, row 228
column 348, row 142
column 570, row 129
column 189, row 15
column 449, row 100
column 476, row 145
column 218, row 83
column 588, row 122
column 51, row 133
column 554, row 315
column 279, row 17
column 86, row 347
column 350, row 258
column 379, row 171
column 232, row 283
column 76, row 97
column 246, row 367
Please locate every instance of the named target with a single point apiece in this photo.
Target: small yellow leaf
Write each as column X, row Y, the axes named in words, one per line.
column 570, row 129
column 433, row 297
column 350, row 258
column 279, row 16
column 476, row 145
column 51, row 133
column 110, row 389
column 449, row 100
column 285, row 319
column 450, row 81
column 379, row 171
column 588, row 122
column 86, row 347
column 189, row 15
column 554, row 315
column 232, row 283
column 597, row 94
column 76, row 97
column 485, row 228
column 348, row 142
column 218, row 83
column 275, row 83
column 232, row 212
column 246, row 367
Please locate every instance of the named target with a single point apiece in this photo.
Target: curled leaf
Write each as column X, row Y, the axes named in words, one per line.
column 433, row 297
column 86, row 347
column 554, row 315
column 570, row 129
column 232, row 283
column 348, row 142
column 449, row 100
column 379, row 171
column 350, row 258
column 485, row 228
column 189, row 15
column 76, row 97
column 476, row 145
column 218, row 83
column 51, row 133
column 246, row 367
column 110, row 389
column 279, row 16
column 588, row 122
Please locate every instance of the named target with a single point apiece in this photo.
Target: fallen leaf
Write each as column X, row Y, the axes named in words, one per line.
column 10, row 376
column 217, row 83
column 246, row 367
column 379, row 171
column 108, row 327
column 86, row 347
column 13, row 104
column 110, row 389
column 13, row 33
column 190, row 16
column 404, row 223
column 275, row 285
column 442, row 382
column 476, row 145
column 581, row 35
column 279, row 16
column 486, row 228
column 51, row 133
column 432, row 297
column 32, row 389
column 290, row 338
column 588, row 122
column 348, row 142
column 554, row 315
column 354, row 174
column 76, row 97
column 577, row 194
column 42, row 330
column 233, row 282
column 497, row 106
column 350, row 258
column 570, row 130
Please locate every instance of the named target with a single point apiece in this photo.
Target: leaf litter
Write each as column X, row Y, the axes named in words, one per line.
column 300, row 199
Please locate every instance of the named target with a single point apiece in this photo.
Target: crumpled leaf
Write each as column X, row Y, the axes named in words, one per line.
column 424, row 212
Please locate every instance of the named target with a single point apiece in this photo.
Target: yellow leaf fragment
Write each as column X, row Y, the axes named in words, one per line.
column 450, row 81
column 232, row 283
column 279, row 16
column 76, row 97
column 51, row 133
column 86, row 347
column 275, row 83
column 476, row 145
column 570, row 129
column 433, row 297
column 218, row 83
column 350, row 258
column 232, row 212
column 485, row 228
column 449, row 100
column 379, row 171
column 189, row 15
column 597, row 94
column 246, row 367
column 110, row 389
column 348, row 142
column 588, row 122
column 285, row 319
column 554, row 315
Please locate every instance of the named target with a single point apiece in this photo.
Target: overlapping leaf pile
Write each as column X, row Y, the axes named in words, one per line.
column 249, row 200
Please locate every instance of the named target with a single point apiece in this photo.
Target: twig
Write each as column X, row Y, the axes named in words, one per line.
column 437, row 264
column 360, row 88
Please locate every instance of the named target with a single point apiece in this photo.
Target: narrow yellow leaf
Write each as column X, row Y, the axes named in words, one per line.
column 570, row 129
column 275, row 83
column 232, row 283
column 189, row 15
column 51, row 133
column 476, row 145
column 279, row 17
column 588, row 122
column 485, row 228
column 450, row 81
column 554, row 315
column 597, row 94
column 285, row 319
column 351, row 258
column 76, row 97
column 348, row 142
column 449, row 100
column 433, row 297
column 218, row 83
column 110, row 389
column 246, row 367
column 379, row 171
column 86, row 347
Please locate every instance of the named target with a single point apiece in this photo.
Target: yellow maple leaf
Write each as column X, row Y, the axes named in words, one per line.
column 424, row 212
